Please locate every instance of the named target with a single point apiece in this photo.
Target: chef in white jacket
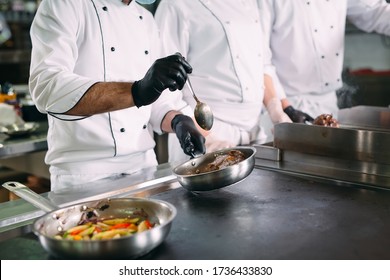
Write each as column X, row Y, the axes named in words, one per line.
column 222, row 41
column 306, row 39
column 96, row 71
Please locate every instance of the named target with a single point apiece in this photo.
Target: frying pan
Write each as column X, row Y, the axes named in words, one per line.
column 189, row 177
column 60, row 219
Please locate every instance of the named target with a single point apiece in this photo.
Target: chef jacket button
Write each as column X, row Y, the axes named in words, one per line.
column 105, row 9
column 112, row 49
column 331, row 27
column 338, row 80
column 315, row 30
column 146, row 52
column 228, row 22
column 144, row 127
column 326, row 84
column 308, row 3
column 141, row 17
column 322, row 56
column 337, row 54
column 122, row 130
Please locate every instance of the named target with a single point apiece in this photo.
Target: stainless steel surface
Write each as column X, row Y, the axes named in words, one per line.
column 348, row 156
column 59, row 220
column 187, row 172
column 368, row 117
column 342, row 143
column 267, row 151
column 271, row 215
column 203, row 114
column 323, row 169
column 268, row 215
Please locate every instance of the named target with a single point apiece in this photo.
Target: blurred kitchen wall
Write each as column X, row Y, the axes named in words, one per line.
column 362, row 51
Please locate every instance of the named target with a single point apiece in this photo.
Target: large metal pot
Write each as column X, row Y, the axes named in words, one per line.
column 188, row 176
column 47, row 226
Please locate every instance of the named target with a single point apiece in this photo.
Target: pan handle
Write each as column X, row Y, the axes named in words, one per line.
column 30, row 196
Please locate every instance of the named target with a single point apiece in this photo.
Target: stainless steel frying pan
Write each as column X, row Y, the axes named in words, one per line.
column 189, row 177
column 47, row 226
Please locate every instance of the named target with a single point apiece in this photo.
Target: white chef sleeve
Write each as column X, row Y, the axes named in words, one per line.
column 370, row 15
column 267, row 18
column 53, row 86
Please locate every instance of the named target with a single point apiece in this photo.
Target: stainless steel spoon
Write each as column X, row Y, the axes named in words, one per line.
column 202, row 112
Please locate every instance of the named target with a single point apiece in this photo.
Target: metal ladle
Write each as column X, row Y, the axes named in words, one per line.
column 202, row 112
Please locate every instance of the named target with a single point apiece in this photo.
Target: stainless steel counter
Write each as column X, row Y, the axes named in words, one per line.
column 26, row 153
column 296, row 204
column 355, row 153
column 16, row 146
column 269, row 215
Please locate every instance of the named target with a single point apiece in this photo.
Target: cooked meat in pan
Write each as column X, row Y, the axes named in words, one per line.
column 225, row 160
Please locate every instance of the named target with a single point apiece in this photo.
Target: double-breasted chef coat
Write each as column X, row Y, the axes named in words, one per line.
column 222, row 40
column 307, row 42
column 75, row 45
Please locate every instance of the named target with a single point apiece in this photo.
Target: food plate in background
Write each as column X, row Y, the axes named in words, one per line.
column 19, row 129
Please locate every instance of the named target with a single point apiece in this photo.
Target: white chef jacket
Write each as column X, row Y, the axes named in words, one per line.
column 76, row 44
column 223, row 43
column 307, row 42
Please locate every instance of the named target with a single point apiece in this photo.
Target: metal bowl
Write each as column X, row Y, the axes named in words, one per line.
column 19, row 129
column 189, row 177
column 134, row 246
column 57, row 220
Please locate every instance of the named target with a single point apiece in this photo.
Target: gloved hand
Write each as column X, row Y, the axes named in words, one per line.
column 168, row 72
column 297, row 116
column 191, row 140
column 275, row 111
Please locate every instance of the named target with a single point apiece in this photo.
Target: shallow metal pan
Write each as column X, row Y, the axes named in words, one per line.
column 188, row 177
column 47, row 226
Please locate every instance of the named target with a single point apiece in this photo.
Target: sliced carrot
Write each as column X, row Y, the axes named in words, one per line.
column 120, row 225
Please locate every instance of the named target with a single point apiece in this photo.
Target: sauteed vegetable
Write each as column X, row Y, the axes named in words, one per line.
column 108, row 228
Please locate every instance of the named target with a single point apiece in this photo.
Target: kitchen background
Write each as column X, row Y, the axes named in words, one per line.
column 367, row 57
column 366, row 71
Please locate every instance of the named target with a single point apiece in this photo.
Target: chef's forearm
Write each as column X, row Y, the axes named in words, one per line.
column 104, row 97
column 166, row 124
column 270, row 92
column 285, row 103
column 269, row 89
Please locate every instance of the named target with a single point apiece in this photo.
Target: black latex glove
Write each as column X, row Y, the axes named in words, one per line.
column 191, row 140
column 297, row 116
column 168, row 72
